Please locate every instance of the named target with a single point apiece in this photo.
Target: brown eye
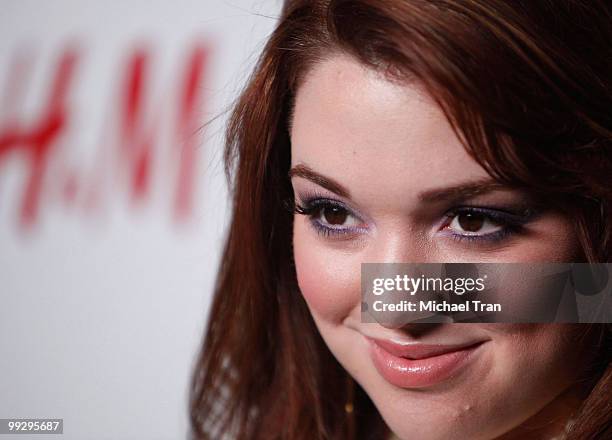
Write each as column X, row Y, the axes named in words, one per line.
column 471, row 222
column 334, row 215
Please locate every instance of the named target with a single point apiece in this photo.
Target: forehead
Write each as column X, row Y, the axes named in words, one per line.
column 355, row 126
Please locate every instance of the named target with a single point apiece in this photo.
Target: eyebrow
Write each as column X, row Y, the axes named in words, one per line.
column 462, row 191
column 308, row 173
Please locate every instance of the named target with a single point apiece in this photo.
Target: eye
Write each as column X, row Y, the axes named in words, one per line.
column 474, row 223
column 330, row 217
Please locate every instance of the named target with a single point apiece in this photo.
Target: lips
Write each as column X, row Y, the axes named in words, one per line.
column 419, row 365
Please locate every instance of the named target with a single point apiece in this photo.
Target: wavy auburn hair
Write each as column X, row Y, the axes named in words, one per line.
column 526, row 86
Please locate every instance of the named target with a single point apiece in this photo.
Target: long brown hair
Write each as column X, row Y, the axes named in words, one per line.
column 527, row 87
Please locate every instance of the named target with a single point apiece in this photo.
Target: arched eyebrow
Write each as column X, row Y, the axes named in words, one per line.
column 328, row 183
column 462, row 191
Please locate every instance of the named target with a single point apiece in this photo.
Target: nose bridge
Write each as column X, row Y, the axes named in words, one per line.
column 399, row 245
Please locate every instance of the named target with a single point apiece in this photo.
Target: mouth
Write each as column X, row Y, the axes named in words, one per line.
column 418, row 365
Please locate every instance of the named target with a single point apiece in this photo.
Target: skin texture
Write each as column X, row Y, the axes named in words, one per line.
column 386, row 144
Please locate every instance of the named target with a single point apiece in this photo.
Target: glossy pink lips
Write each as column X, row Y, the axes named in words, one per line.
column 418, row 365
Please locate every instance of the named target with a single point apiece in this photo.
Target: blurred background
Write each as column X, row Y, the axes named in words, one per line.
column 113, row 203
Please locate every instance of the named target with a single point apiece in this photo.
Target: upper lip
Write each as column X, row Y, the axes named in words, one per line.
column 421, row 351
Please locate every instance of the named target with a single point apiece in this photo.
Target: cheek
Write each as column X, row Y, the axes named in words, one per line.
column 328, row 278
column 544, row 357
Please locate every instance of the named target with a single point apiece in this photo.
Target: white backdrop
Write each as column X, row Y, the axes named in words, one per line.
column 103, row 292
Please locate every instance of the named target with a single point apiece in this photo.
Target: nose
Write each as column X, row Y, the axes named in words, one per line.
column 395, row 246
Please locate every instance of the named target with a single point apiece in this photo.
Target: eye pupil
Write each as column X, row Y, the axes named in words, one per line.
column 470, row 222
column 335, row 215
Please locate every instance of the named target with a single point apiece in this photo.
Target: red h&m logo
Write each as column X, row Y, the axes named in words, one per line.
column 134, row 150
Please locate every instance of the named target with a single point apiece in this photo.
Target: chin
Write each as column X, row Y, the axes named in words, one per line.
column 473, row 381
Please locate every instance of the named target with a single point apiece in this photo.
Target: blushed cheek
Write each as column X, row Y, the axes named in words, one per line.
column 328, row 278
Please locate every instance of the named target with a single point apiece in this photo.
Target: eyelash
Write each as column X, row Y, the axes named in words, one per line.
column 313, row 208
column 510, row 223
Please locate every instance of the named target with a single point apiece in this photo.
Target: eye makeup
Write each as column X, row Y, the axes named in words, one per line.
column 332, row 218
column 506, row 221
column 329, row 217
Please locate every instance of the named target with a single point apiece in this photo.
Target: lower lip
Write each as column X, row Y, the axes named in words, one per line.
column 419, row 373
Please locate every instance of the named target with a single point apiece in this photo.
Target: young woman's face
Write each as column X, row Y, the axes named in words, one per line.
column 383, row 178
